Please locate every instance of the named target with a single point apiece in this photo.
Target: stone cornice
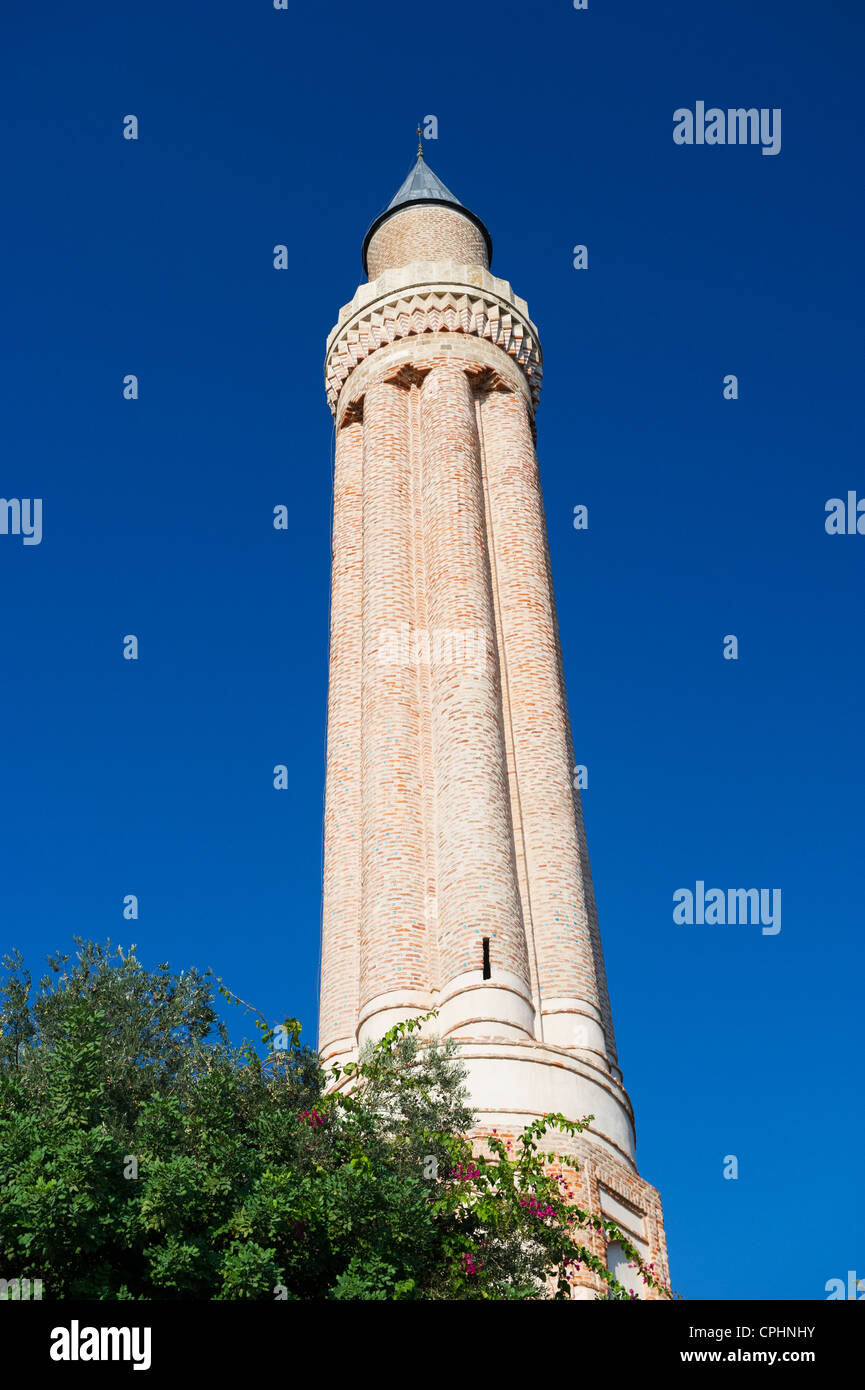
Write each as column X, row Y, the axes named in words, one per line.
column 432, row 297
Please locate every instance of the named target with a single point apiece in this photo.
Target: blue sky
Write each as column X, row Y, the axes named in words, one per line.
column 706, row 517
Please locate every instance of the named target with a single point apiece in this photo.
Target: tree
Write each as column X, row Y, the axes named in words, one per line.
column 146, row 1157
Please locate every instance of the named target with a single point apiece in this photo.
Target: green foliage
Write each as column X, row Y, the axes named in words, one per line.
column 142, row 1156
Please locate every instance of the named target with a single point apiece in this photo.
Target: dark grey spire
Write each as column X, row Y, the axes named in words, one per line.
column 422, row 185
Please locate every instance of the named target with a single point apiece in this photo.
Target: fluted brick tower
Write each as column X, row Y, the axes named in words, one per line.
column 456, row 874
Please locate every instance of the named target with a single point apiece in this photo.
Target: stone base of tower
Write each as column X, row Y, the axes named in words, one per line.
column 511, row 1084
column 610, row 1189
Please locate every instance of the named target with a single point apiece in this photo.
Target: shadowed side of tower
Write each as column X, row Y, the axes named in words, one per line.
column 456, row 873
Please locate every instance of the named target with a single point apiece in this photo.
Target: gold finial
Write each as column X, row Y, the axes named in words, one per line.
column 419, row 144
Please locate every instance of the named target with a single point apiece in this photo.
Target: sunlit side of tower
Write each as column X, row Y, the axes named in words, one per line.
column 456, row 874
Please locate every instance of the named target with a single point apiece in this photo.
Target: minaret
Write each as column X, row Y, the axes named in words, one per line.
column 456, row 874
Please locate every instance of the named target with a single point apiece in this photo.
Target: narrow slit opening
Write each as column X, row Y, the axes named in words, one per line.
column 487, row 971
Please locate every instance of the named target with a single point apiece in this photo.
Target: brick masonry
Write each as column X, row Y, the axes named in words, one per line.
column 431, row 233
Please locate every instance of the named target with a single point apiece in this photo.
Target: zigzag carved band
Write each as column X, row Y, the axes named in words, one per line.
column 449, row 311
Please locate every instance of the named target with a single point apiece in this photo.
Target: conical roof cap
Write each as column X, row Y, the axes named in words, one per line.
column 422, row 184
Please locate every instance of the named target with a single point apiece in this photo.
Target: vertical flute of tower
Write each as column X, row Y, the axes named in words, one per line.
column 341, row 902
column 575, row 1010
column 478, row 895
column 394, row 968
